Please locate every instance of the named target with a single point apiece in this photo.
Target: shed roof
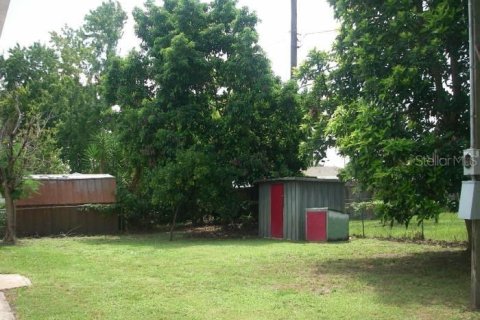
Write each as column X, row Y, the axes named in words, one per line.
column 73, row 176
column 303, row 179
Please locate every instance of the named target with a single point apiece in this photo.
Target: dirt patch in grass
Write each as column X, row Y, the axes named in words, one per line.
column 311, row 281
column 208, row 231
column 313, row 287
column 430, row 242
column 220, row 232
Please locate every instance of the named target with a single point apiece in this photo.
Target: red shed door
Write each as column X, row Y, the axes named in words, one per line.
column 276, row 210
column 316, row 226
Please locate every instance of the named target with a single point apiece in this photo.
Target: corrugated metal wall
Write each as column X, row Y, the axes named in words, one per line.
column 71, row 192
column 264, row 210
column 56, row 207
column 45, row 221
column 291, row 218
column 299, row 195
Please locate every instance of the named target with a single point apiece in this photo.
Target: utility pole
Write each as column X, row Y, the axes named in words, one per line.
column 294, row 40
column 469, row 208
column 474, row 34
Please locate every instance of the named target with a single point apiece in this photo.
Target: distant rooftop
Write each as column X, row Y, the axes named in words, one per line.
column 73, row 176
column 303, row 179
column 322, row 172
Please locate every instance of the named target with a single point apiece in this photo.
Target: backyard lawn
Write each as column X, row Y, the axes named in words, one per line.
column 148, row 277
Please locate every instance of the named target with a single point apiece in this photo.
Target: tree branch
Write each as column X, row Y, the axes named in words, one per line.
column 19, row 120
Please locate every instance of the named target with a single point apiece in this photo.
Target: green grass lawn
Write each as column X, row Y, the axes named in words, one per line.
column 449, row 228
column 148, row 277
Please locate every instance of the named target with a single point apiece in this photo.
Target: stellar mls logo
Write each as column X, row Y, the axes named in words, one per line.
column 438, row 161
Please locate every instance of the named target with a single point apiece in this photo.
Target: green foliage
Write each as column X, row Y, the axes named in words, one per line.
column 83, row 54
column 208, row 113
column 103, row 153
column 26, row 145
column 400, row 88
column 101, row 32
column 100, row 208
column 28, row 187
column 47, row 158
column 78, row 123
column 363, row 206
column 318, row 104
column 195, row 185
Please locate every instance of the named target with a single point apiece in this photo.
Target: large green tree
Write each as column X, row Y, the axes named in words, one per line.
column 201, row 96
column 28, row 99
column 84, row 54
column 401, row 88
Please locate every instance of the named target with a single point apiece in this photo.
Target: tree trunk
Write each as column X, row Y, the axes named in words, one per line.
column 174, row 220
column 10, row 231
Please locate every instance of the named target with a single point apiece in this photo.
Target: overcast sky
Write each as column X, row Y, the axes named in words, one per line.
column 32, row 20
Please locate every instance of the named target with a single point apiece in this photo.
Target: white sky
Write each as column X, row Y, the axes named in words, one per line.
column 32, row 20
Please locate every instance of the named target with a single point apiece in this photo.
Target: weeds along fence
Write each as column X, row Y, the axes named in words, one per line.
column 366, row 210
column 360, row 208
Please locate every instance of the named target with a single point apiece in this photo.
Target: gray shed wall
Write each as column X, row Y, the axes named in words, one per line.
column 299, row 195
column 264, row 210
column 291, row 218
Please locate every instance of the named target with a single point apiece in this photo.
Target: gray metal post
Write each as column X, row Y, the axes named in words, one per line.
column 294, row 40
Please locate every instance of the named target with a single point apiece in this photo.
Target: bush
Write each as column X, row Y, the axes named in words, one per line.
column 370, row 209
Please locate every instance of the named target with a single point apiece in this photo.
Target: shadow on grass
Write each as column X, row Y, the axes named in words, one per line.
column 181, row 240
column 427, row 278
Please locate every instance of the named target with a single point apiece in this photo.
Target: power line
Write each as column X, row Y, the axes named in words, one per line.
column 305, row 35
column 319, row 32
column 302, row 35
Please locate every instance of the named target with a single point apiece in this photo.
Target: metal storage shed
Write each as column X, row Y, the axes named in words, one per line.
column 58, row 206
column 282, row 204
